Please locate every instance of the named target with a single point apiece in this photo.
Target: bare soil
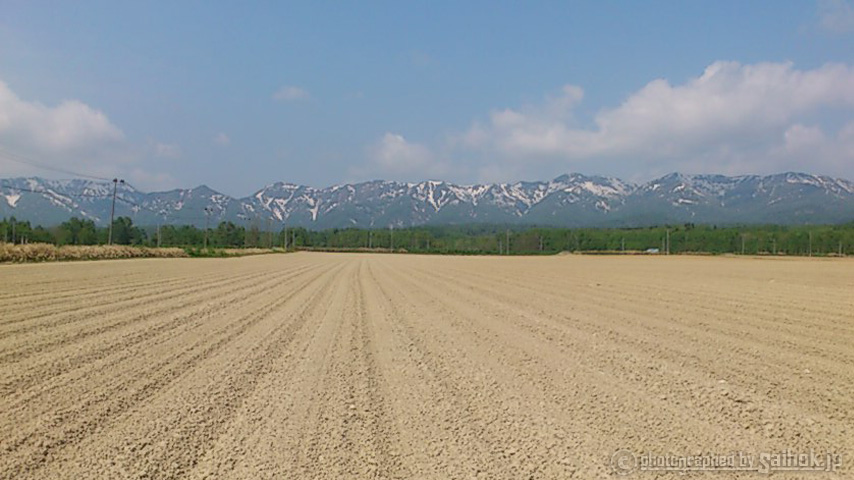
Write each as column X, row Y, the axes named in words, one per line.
column 335, row 366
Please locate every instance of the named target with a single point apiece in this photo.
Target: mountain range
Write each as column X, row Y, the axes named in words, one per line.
column 571, row 200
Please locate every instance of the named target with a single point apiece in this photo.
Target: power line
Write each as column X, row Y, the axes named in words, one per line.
column 17, row 158
column 75, row 195
column 164, row 213
column 161, row 213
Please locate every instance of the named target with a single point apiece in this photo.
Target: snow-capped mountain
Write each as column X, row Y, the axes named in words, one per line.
column 786, row 198
column 568, row 200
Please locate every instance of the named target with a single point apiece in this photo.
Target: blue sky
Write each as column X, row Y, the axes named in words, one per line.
column 242, row 94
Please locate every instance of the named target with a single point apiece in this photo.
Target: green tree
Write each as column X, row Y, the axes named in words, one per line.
column 124, row 233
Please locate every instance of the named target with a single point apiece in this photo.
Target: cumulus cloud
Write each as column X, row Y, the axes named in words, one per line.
column 809, row 147
column 836, row 16
column 290, row 93
column 222, row 139
column 69, row 126
column 731, row 118
column 393, row 157
column 69, row 137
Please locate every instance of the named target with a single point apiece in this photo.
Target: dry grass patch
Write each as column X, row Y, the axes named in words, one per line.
column 43, row 252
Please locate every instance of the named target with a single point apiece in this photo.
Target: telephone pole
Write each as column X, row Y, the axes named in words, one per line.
column 116, row 182
column 668, row 242
column 391, row 237
column 208, row 211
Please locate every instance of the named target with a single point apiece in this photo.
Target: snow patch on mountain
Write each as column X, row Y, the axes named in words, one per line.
column 571, row 199
column 12, row 199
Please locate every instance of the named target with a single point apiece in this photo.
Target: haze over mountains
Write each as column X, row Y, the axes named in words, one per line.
column 572, row 200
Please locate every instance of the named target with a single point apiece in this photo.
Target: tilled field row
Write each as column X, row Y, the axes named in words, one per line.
column 403, row 366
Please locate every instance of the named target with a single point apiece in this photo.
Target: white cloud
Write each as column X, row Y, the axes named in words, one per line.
column 800, row 138
column 290, row 93
column 732, row 117
column 222, row 139
column 808, row 147
column 69, row 126
column 395, row 153
column 836, row 16
column 393, row 157
column 69, row 137
column 166, row 150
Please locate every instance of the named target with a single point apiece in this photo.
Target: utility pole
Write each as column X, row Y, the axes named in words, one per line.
column 667, row 236
column 208, row 211
column 623, row 245
column 391, row 238
column 507, row 233
column 370, row 239
column 116, row 182
column 742, row 244
column 246, row 233
column 810, row 243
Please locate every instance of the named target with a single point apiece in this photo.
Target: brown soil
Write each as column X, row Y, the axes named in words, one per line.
column 337, row 366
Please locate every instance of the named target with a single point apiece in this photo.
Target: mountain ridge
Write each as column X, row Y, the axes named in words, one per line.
column 571, row 200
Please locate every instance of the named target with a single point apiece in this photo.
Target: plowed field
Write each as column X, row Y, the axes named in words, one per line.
column 401, row 366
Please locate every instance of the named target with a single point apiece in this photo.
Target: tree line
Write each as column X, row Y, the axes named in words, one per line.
column 675, row 239
column 469, row 239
